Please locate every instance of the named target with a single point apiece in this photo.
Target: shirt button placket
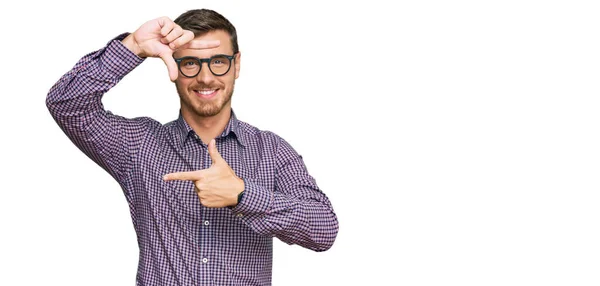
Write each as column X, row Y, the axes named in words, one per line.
column 206, row 233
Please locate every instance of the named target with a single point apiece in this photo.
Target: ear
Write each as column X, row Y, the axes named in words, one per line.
column 238, row 59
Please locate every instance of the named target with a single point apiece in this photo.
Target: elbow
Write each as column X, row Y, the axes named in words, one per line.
column 319, row 239
column 53, row 98
column 321, row 247
column 326, row 240
column 49, row 104
column 51, row 101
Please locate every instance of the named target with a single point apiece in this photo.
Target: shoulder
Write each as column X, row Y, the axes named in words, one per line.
column 265, row 139
column 254, row 135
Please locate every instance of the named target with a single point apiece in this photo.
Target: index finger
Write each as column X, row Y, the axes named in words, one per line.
column 183, row 176
column 201, row 44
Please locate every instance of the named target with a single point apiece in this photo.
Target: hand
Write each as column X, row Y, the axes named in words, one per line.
column 217, row 186
column 160, row 38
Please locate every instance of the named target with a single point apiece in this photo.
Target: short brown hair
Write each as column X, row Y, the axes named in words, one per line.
column 202, row 21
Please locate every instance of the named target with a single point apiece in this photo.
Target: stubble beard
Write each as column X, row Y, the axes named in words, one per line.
column 203, row 108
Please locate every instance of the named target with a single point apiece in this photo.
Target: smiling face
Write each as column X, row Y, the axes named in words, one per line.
column 207, row 95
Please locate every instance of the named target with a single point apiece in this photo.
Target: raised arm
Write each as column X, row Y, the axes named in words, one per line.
column 75, row 100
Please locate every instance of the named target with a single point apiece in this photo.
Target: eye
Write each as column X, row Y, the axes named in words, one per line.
column 219, row 62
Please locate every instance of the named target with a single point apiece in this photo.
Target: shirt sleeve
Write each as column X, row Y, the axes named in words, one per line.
column 75, row 104
column 296, row 212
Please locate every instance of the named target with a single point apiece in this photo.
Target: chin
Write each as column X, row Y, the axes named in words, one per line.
column 208, row 109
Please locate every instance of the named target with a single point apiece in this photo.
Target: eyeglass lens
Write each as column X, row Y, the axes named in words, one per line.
column 218, row 65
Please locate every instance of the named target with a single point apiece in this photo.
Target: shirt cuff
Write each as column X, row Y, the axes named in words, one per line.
column 117, row 59
column 256, row 201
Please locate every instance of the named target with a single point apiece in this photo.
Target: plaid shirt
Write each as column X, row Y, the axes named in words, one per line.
column 181, row 242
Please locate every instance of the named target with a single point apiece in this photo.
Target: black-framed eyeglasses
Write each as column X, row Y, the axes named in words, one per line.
column 217, row 64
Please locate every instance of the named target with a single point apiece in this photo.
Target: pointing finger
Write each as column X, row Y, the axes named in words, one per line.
column 183, row 176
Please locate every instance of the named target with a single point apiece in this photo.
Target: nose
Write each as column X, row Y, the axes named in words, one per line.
column 205, row 76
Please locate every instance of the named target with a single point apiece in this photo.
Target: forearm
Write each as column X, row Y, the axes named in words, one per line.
column 307, row 221
column 80, row 90
column 75, row 104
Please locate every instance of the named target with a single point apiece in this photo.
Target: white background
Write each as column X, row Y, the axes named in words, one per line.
column 457, row 140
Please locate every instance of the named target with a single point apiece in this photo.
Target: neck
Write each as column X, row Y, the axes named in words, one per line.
column 208, row 127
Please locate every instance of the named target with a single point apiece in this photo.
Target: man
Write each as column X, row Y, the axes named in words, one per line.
column 207, row 192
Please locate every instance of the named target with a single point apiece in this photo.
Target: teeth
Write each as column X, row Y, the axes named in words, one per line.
column 206, row 92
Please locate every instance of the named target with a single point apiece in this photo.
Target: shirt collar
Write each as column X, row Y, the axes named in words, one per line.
column 233, row 126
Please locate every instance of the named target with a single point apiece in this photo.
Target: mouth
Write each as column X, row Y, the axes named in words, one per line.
column 206, row 93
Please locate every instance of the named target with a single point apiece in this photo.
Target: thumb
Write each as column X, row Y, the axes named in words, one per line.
column 214, row 153
column 167, row 57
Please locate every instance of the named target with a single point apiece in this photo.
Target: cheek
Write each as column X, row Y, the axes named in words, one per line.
column 182, row 83
column 228, row 81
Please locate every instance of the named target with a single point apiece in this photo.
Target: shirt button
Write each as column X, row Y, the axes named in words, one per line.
column 206, row 223
column 204, row 260
column 240, row 215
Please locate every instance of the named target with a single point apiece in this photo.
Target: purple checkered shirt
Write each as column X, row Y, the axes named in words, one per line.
column 180, row 241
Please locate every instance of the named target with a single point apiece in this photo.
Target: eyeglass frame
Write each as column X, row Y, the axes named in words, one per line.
column 204, row 60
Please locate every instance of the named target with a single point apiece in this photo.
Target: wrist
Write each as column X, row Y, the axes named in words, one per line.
column 130, row 43
column 239, row 197
column 240, row 193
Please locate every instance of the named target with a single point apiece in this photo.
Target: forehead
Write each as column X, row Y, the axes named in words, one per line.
column 224, row 48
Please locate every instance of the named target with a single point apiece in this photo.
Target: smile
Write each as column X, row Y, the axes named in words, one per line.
column 206, row 93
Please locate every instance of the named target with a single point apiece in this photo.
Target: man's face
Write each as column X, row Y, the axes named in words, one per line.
column 206, row 94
